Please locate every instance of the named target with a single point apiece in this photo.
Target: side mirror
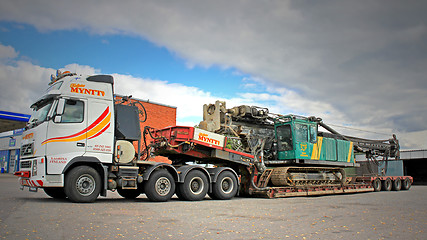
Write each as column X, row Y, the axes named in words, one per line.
column 57, row 119
column 60, row 107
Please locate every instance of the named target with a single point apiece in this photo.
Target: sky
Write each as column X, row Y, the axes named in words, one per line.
column 359, row 65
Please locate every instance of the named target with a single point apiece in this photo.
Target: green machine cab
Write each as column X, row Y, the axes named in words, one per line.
column 300, row 142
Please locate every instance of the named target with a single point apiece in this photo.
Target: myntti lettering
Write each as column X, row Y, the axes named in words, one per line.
column 80, row 88
column 204, row 137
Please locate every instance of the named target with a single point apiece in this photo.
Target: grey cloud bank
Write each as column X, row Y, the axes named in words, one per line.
column 361, row 63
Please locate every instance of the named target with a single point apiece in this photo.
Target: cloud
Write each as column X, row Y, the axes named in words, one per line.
column 188, row 100
column 359, row 63
column 7, row 52
column 30, row 81
column 22, row 84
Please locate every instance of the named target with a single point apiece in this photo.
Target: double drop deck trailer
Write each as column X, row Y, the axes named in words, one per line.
column 182, row 143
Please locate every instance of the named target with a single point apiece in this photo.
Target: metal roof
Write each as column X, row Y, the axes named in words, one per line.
column 11, row 121
column 413, row 154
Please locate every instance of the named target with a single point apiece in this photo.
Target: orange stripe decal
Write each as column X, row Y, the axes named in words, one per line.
column 94, row 130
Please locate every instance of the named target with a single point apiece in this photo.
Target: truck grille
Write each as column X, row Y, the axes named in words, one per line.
column 27, row 149
column 25, row 164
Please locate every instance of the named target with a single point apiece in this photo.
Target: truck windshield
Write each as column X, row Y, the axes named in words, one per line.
column 40, row 111
column 284, row 137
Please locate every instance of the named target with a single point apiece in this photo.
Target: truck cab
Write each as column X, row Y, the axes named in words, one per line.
column 72, row 122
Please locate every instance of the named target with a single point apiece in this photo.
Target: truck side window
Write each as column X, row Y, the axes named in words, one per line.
column 284, row 138
column 301, row 132
column 73, row 111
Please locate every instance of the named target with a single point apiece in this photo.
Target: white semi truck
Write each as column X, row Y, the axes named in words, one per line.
column 80, row 143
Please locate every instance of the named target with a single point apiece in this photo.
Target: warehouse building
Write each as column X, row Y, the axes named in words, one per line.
column 415, row 165
column 411, row 163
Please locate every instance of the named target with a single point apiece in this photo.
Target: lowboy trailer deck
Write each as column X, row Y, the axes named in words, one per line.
column 182, row 144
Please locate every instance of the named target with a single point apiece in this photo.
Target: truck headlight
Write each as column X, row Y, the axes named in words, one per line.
column 34, row 168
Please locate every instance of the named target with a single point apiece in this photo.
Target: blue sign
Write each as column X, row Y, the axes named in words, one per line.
column 18, row 131
column 12, row 142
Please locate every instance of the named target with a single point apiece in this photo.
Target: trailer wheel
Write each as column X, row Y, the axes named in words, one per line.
column 55, row 192
column 377, row 184
column 386, row 186
column 160, row 187
column 195, row 186
column 129, row 193
column 225, row 187
column 397, row 184
column 406, row 185
column 82, row 184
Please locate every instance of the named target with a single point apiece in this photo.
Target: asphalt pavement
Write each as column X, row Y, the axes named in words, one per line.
column 374, row 215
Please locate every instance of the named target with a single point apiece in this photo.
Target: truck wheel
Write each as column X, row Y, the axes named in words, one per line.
column 82, row 184
column 225, row 187
column 386, row 186
column 406, row 185
column 195, row 186
column 377, row 184
column 129, row 193
column 160, row 187
column 397, row 184
column 55, row 192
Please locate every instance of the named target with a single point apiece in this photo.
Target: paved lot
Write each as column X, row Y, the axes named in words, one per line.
column 384, row 215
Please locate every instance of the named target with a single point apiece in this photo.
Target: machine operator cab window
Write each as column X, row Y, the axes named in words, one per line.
column 284, row 137
column 306, row 132
column 302, row 133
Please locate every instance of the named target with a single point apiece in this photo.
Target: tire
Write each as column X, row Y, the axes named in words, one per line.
column 160, row 187
column 225, row 187
column 82, row 184
column 195, row 186
column 129, row 193
column 386, row 184
column 406, row 184
column 55, row 192
column 377, row 184
column 397, row 184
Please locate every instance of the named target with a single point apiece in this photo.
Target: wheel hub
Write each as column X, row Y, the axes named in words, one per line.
column 85, row 185
column 227, row 185
column 196, row 185
column 163, row 186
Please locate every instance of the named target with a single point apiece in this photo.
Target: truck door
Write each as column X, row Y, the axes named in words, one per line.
column 100, row 138
column 66, row 134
